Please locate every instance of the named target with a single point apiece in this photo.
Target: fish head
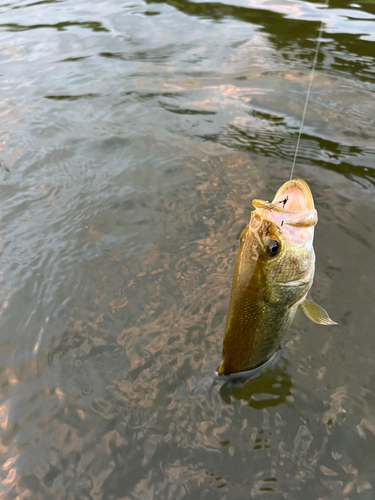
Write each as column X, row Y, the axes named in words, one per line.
column 281, row 235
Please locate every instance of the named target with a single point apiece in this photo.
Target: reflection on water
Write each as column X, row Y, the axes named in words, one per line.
column 133, row 138
column 269, row 388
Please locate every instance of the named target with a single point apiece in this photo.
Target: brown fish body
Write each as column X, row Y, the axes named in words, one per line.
column 273, row 273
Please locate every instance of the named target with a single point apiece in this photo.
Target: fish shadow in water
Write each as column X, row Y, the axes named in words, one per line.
column 267, row 386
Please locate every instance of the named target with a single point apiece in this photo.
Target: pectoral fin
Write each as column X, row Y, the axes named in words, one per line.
column 316, row 313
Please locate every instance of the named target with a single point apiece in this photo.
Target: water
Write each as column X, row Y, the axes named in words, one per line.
column 134, row 136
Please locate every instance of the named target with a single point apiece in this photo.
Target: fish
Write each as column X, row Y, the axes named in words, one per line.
column 273, row 274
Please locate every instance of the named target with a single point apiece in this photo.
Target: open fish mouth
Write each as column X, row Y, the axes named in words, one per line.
column 293, row 205
column 297, row 195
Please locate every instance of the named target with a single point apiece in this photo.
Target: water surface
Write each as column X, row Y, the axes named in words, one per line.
column 133, row 137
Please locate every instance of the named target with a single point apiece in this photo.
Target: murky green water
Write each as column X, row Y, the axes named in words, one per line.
column 134, row 136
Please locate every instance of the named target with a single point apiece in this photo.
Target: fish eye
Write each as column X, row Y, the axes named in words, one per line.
column 273, row 248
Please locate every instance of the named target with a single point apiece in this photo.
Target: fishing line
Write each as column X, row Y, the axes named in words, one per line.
column 308, row 91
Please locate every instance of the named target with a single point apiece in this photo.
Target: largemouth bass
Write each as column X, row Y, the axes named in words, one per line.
column 273, row 273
